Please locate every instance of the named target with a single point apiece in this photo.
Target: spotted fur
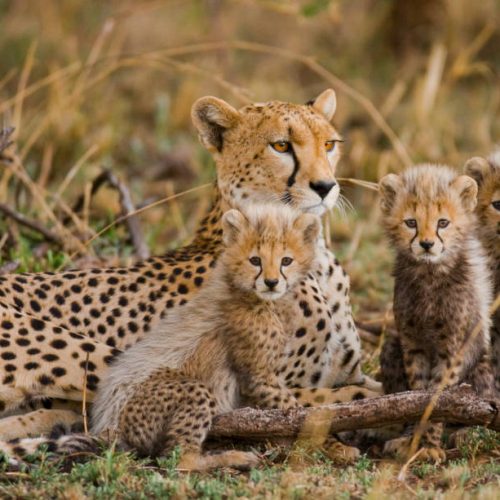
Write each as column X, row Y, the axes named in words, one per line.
column 442, row 287
column 55, row 327
column 487, row 175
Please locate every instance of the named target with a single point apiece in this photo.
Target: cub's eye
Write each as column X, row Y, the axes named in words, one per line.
column 496, row 205
column 286, row 261
column 330, row 146
column 442, row 223
column 255, row 261
column 411, row 223
column 281, row 146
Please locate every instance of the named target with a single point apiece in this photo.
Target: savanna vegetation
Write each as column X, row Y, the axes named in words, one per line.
column 93, row 87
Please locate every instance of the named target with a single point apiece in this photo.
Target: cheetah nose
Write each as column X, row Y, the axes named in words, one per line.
column 322, row 187
column 271, row 284
column 426, row 245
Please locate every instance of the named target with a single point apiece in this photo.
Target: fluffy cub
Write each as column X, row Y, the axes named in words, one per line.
column 442, row 288
column 218, row 351
column 487, row 175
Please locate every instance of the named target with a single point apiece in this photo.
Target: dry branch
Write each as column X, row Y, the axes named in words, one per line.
column 128, row 209
column 32, row 224
column 457, row 405
column 5, row 134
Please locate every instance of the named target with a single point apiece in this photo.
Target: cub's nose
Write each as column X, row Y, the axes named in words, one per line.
column 426, row 245
column 322, row 187
column 271, row 284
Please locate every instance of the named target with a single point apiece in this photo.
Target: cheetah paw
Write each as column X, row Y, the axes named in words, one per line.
column 400, row 448
column 342, row 453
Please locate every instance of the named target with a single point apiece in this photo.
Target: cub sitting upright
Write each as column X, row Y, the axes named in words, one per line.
column 487, row 175
column 219, row 350
column 442, row 289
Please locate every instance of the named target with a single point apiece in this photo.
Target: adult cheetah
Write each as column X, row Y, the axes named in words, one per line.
column 56, row 325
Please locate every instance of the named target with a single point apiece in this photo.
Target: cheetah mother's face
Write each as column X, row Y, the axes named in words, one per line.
column 273, row 152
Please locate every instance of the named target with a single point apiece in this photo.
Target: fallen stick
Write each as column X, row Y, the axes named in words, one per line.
column 31, row 224
column 107, row 177
column 456, row 405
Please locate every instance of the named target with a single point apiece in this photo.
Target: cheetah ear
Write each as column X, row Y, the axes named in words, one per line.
column 212, row 117
column 477, row 168
column 326, row 103
column 310, row 227
column 233, row 224
column 389, row 186
column 467, row 189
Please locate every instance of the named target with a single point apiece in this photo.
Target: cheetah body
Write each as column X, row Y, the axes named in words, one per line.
column 59, row 329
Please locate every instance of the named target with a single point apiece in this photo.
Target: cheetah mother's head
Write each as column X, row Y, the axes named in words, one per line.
column 273, row 152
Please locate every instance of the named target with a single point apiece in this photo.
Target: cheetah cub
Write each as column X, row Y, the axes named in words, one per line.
column 442, row 286
column 218, row 351
column 487, row 175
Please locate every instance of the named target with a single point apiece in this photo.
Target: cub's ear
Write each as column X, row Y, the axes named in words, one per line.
column 389, row 186
column 211, row 117
column 233, row 223
column 477, row 168
column 310, row 227
column 466, row 187
column 325, row 103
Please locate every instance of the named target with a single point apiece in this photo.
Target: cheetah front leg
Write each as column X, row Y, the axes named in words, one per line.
column 267, row 391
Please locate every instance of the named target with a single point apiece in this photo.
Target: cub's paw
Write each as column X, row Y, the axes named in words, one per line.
column 398, row 447
column 434, row 454
column 341, row 453
column 241, row 460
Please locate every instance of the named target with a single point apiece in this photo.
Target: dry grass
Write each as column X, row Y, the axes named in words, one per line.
column 110, row 84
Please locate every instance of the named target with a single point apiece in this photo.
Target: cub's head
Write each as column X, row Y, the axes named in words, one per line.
column 428, row 211
column 487, row 175
column 268, row 248
column 273, row 152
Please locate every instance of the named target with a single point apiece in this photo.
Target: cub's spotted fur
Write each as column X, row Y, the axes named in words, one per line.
column 51, row 323
column 220, row 350
column 442, row 288
column 487, row 175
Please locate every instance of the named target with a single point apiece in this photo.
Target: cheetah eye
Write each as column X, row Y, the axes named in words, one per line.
column 255, row 261
column 281, row 146
column 286, row 261
column 412, row 223
column 442, row 223
column 330, row 145
column 496, row 204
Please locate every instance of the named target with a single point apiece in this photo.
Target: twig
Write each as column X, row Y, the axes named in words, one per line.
column 139, row 211
column 5, row 134
column 9, row 267
column 34, row 225
column 128, row 209
column 456, row 405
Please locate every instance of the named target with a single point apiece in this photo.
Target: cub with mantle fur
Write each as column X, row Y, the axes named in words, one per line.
column 220, row 350
column 442, row 290
column 486, row 172
column 59, row 329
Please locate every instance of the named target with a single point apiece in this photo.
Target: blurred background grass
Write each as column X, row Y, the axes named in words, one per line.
column 92, row 84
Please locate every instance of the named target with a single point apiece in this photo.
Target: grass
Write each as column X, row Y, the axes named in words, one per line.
column 119, row 475
column 110, row 84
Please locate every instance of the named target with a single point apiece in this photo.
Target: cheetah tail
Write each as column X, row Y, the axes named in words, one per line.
column 68, row 446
